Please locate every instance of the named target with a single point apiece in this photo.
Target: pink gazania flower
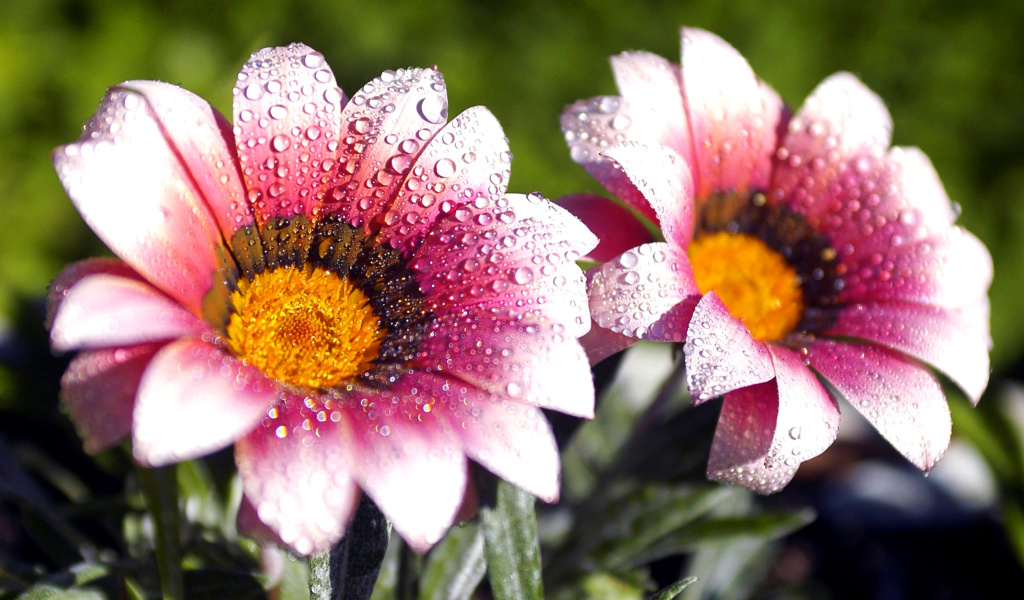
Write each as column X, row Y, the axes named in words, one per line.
column 804, row 260
column 339, row 287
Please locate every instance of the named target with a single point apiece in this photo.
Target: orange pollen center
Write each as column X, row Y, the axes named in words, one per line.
column 754, row 282
column 305, row 327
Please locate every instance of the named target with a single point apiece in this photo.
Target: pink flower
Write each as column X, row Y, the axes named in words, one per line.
column 800, row 252
column 340, row 287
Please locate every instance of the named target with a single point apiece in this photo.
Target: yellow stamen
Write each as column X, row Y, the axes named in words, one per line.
column 306, row 327
column 754, row 282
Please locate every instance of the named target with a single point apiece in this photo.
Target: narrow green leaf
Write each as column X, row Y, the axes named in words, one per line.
column 763, row 527
column 159, row 486
column 49, row 591
column 455, row 566
column 510, row 536
column 673, row 590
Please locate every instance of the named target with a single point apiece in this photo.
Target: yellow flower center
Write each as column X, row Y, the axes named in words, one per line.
column 305, row 327
column 754, row 282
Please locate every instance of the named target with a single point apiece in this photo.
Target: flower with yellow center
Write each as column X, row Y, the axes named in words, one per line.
column 340, row 289
column 797, row 248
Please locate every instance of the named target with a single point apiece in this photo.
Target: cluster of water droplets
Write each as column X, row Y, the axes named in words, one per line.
column 287, row 116
column 721, row 355
column 516, row 253
column 385, row 127
column 634, row 293
column 593, row 126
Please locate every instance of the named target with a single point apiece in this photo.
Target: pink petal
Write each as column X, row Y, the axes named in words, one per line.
column 721, row 355
column 600, row 343
column 516, row 255
column 591, row 127
column 527, row 360
column 202, row 138
column 466, row 163
column 653, row 88
column 766, row 430
column 248, row 524
column 296, row 468
column 104, row 310
column 903, row 400
column 664, row 180
column 385, row 127
column 732, row 117
column 615, row 226
column 98, row 390
column 287, row 114
column 411, row 463
column 194, row 399
column 647, row 292
column 511, row 439
column 951, row 269
column 953, row 341
column 77, row 271
column 133, row 190
column 841, row 120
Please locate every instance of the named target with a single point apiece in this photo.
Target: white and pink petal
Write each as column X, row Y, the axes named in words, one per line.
column 733, row 117
column 98, row 390
column 526, row 360
column 287, row 123
column 385, row 126
column 720, row 353
column 193, row 399
column 130, row 185
column 615, row 226
column 647, row 292
column 766, row 430
column 104, row 310
column 898, row 396
column 652, row 87
column 954, row 341
column 663, row 178
column 465, row 164
column 296, row 467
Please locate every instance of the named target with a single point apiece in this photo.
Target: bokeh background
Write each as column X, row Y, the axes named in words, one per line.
column 951, row 73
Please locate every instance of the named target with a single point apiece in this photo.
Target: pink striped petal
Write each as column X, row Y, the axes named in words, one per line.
column 466, row 163
column 591, row 127
column 616, row 227
column 411, row 463
column 647, row 292
column 77, row 271
column 507, row 437
column 902, row 399
column 194, row 399
column 721, row 355
column 385, row 127
column 951, row 269
column 732, row 116
column 202, row 138
column 527, row 360
column 600, row 343
column 953, row 341
column 98, row 390
column 516, row 255
column 131, row 187
column 105, row 310
column 766, row 430
column 287, row 114
column 664, row 180
column 296, row 468
column 653, row 88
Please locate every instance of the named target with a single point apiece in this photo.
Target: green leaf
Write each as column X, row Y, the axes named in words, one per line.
column 70, row 584
column 159, row 486
column 349, row 569
column 510, row 536
column 455, row 566
column 48, row 591
column 673, row 590
column 763, row 527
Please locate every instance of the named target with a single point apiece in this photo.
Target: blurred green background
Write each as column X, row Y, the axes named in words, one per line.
column 951, row 73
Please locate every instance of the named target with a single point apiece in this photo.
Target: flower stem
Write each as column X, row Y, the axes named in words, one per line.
column 160, row 489
column 349, row 570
